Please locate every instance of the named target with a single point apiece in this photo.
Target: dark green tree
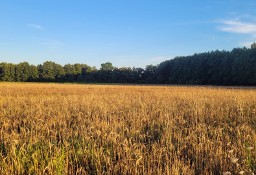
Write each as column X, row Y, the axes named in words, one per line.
column 22, row 71
column 107, row 66
column 69, row 72
column 7, row 72
column 150, row 74
column 34, row 75
column 50, row 71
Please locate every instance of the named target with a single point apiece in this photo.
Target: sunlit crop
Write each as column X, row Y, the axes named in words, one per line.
column 114, row 129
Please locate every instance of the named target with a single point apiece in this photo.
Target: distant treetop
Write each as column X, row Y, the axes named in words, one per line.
column 253, row 46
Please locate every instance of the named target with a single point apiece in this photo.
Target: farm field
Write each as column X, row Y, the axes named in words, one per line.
column 114, row 129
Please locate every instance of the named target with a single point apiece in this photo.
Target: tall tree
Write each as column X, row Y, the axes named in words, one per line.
column 34, row 75
column 22, row 71
column 107, row 66
column 7, row 72
column 50, row 71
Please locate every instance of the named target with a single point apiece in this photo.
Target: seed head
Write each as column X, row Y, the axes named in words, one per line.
column 249, row 148
column 231, row 151
column 241, row 172
column 234, row 160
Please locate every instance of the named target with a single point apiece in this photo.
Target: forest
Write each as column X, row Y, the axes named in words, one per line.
column 236, row 67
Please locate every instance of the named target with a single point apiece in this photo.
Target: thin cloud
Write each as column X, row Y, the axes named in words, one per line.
column 237, row 26
column 36, row 26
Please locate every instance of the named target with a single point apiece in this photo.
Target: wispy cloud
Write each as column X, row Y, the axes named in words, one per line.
column 240, row 25
column 237, row 26
column 35, row 26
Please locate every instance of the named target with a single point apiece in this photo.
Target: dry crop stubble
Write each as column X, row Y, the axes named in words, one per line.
column 114, row 129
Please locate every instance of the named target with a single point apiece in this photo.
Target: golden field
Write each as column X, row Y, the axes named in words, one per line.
column 114, row 129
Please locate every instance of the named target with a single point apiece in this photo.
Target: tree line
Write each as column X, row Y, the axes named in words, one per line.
column 236, row 67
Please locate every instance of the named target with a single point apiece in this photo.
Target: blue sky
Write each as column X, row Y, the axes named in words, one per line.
column 124, row 32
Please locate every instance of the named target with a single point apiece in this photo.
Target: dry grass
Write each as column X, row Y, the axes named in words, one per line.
column 97, row 129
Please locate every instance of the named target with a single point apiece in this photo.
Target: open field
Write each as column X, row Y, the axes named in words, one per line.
column 104, row 129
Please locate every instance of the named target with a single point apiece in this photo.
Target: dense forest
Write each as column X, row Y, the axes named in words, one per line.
column 236, row 67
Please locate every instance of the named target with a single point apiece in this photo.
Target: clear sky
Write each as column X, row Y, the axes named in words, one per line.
column 124, row 32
